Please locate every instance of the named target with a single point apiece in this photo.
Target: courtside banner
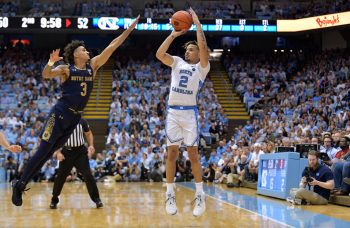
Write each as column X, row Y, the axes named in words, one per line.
column 310, row 23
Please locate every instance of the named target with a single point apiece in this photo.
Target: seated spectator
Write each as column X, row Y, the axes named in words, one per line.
column 209, row 173
column 341, row 168
column 251, row 171
column 344, row 153
column 47, row 172
column 329, row 150
column 10, row 167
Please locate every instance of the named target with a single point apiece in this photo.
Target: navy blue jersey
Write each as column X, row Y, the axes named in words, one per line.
column 77, row 88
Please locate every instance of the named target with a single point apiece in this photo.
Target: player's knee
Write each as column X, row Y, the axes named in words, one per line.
column 194, row 158
column 172, row 156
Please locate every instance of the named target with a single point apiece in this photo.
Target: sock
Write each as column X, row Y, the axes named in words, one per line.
column 170, row 188
column 199, row 188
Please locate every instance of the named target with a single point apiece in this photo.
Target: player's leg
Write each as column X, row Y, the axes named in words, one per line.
column 64, row 169
column 57, row 129
column 174, row 139
column 83, row 166
column 190, row 128
column 43, row 153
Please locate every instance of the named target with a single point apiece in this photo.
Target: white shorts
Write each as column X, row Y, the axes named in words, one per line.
column 182, row 126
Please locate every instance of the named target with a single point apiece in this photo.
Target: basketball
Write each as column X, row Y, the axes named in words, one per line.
column 181, row 20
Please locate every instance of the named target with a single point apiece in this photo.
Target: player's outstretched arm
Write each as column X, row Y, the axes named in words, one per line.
column 202, row 42
column 4, row 143
column 102, row 58
column 161, row 52
column 58, row 71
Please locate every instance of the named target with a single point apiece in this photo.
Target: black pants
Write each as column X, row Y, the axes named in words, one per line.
column 77, row 157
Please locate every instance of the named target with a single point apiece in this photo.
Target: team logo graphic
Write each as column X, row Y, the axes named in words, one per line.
column 49, row 127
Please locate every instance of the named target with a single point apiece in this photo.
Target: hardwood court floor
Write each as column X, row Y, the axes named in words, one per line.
column 128, row 205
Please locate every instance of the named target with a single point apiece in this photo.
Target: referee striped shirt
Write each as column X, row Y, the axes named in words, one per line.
column 77, row 137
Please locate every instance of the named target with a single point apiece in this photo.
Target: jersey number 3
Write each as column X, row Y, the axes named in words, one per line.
column 84, row 87
column 183, row 81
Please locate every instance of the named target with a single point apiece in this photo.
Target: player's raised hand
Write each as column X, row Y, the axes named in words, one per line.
column 15, row 148
column 194, row 16
column 134, row 23
column 55, row 56
column 178, row 33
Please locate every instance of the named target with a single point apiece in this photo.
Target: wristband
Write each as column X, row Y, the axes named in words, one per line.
column 50, row 63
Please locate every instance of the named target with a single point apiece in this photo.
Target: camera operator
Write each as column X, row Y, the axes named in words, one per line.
column 320, row 182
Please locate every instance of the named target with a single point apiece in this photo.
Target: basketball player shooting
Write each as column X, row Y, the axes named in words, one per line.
column 76, row 78
column 187, row 77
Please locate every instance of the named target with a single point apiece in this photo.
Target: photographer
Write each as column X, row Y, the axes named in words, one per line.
column 319, row 180
column 156, row 173
column 134, row 172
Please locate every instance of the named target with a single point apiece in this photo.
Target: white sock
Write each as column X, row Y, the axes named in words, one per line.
column 170, row 188
column 199, row 188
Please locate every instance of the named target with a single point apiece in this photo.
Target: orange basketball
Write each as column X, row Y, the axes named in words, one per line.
column 181, row 20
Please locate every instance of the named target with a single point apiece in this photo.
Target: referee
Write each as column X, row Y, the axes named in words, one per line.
column 75, row 153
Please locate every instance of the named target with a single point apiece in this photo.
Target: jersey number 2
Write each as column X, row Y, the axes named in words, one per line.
column 84, row 87
column 183, row 81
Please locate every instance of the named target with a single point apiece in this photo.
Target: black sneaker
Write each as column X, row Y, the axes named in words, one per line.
column 54, row 202
column 17, row 190
column 99, row 204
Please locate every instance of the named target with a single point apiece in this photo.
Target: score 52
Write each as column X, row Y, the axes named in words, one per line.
column 83, row 23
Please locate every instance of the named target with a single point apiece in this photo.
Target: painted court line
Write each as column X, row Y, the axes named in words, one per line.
column 276, row 211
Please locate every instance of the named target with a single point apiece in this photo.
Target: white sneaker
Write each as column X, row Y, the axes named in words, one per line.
column 199, row 204
column 170, row 203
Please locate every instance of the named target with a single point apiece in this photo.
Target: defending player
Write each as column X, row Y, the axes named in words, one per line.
column 76, row 77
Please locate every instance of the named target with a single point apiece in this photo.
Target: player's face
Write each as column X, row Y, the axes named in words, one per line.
column 192, row 53
column 81, row 53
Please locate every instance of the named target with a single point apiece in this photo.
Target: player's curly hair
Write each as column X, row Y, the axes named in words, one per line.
column 193, row 42
column 69, row 50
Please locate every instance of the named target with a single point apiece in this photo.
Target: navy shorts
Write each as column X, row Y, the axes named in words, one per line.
column 60, row 124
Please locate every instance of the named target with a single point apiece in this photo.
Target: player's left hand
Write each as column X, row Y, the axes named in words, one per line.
column 15, row 148
column 194, row 16
column 314, row 182
column 134, row 23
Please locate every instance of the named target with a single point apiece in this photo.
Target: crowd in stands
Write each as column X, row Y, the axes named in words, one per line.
column 292, row 108
column 137, row 115
column 297, row 100
column 295, row 10
column 8, row 9
column 103, row 9
column 45, row 9
column 158, row 9
column 164, row 9
column 218, row 9
column 25, row 101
